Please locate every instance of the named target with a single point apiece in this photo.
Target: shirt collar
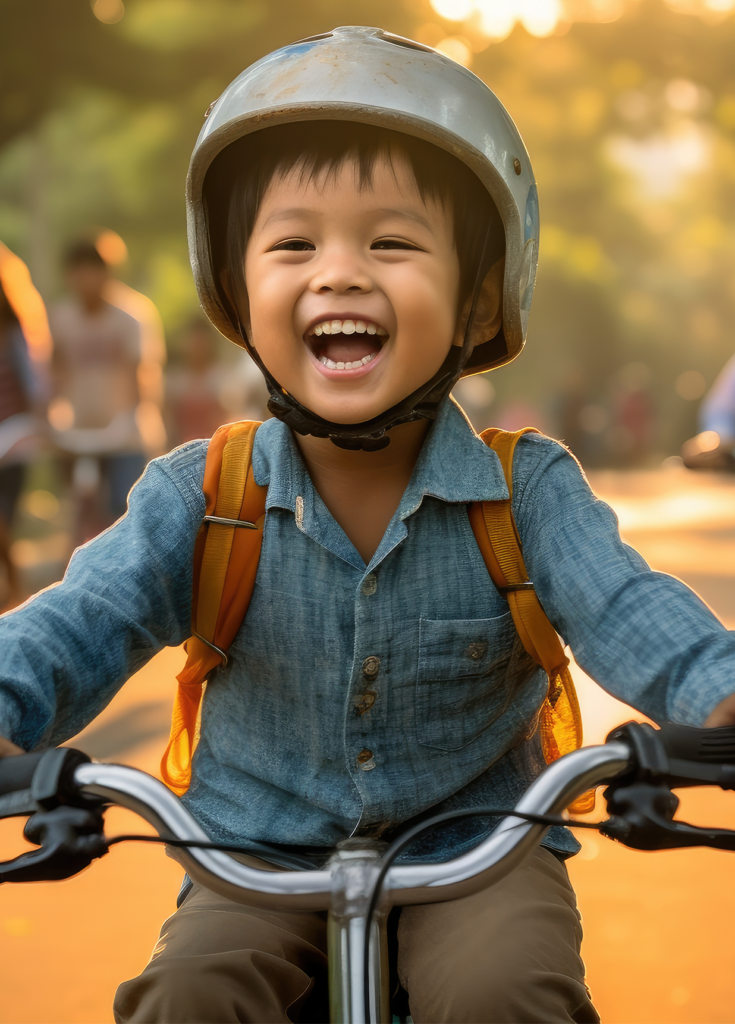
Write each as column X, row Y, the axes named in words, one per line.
column 454, row 465
column 277, row 465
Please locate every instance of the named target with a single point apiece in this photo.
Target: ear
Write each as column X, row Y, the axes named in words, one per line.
column 489, row 310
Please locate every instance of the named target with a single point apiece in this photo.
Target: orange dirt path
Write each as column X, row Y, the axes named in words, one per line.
column 658, row 934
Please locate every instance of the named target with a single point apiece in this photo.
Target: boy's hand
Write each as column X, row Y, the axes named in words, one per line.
column 8, row 749
column 723, row 714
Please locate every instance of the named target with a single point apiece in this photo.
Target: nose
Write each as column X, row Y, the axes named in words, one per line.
column 341, row 271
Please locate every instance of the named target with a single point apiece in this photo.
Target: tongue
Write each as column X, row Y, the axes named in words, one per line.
column 348, row 348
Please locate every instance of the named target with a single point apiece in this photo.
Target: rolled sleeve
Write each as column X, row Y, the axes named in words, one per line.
column 125, row 595
column 642, row 635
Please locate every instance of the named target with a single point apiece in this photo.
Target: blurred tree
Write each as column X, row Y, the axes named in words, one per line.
column 630, row 125
column 631, row 129
column 153, row 52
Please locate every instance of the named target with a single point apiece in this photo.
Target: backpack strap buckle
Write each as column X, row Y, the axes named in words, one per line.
column 214, row 647
column 512, row 587
column 230, row 522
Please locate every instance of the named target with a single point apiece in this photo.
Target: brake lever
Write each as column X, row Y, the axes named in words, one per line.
column 641, row 803
column 70, row 838
column 642, row 818
column 68, row 825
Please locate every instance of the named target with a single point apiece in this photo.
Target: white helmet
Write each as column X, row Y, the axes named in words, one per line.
column 372, row 77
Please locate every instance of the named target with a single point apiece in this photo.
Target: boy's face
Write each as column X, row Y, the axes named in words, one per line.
column 352, row 292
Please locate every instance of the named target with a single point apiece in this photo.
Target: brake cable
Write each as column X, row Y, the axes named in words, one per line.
column 396, row 848
column 206, row 844
column 411, row 834
column 198, row 844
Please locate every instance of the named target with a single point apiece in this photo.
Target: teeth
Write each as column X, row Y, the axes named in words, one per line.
column 348, row 327
column 331, row 365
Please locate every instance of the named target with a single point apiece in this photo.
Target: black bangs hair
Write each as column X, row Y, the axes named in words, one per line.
column 240, row 175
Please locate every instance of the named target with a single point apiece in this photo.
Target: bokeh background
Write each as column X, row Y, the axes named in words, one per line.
column 628, row 110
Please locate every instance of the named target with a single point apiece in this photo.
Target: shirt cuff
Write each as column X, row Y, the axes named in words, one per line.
column 693, row 702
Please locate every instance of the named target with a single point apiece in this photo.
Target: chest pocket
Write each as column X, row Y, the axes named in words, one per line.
column 463, row 683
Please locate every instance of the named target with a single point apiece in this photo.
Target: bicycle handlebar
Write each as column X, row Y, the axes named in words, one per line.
column 311, row 889
column 699, row 746
column 16, row 772
column 637, row 763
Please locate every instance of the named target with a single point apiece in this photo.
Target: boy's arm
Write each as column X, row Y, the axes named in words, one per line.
column 125, row 595
column 643, row 635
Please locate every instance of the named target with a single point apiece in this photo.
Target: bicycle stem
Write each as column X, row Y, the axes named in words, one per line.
column 345, row 885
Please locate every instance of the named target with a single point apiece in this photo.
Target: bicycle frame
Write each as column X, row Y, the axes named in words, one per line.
column 344, row 886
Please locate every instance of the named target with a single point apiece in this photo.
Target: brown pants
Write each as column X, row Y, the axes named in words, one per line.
column 508, row 954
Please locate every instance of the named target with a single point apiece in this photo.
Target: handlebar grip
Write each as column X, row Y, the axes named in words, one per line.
column 16, row 772
column 705, row 746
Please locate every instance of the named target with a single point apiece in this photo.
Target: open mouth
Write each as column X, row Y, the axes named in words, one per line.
column 346, row 344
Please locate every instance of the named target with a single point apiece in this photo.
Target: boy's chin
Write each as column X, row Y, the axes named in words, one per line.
column 349, row 416
column 352, row 412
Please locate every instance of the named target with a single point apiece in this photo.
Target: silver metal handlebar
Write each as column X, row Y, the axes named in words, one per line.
column 405, row 884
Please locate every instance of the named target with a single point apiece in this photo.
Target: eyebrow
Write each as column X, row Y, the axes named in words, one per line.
column 302, row 211
column 294, row 211
column 390, row 212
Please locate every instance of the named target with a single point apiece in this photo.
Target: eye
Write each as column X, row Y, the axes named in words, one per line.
column 395, row 243
column 293, row 245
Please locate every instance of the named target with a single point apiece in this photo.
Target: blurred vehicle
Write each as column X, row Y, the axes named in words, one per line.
column 714, row 447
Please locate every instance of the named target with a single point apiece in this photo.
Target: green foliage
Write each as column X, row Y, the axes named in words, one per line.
column 170, row 26
column 630, row 126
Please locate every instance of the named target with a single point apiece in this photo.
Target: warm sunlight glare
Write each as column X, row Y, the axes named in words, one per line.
column 496, row 19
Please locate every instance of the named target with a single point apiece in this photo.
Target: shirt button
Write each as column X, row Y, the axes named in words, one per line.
column 371, row 667
column 364, row 701
column 365, row 760
column 369, row 585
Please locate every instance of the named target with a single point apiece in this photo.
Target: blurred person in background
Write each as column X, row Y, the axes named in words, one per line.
column 714, row 447
column 631, row 432
column 149, row 416
column 203, row 390
column 21, row 393
column 194, row 385
column 97, row 354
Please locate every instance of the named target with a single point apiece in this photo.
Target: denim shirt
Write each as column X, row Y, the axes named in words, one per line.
column 358, row 696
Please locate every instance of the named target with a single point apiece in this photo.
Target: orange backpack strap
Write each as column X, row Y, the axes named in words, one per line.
column 226, row 556
column 494, row 527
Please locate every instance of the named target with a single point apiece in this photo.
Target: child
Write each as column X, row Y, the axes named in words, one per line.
column 363, row 220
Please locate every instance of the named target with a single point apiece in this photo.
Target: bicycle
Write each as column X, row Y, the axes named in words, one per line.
column 64, row 794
